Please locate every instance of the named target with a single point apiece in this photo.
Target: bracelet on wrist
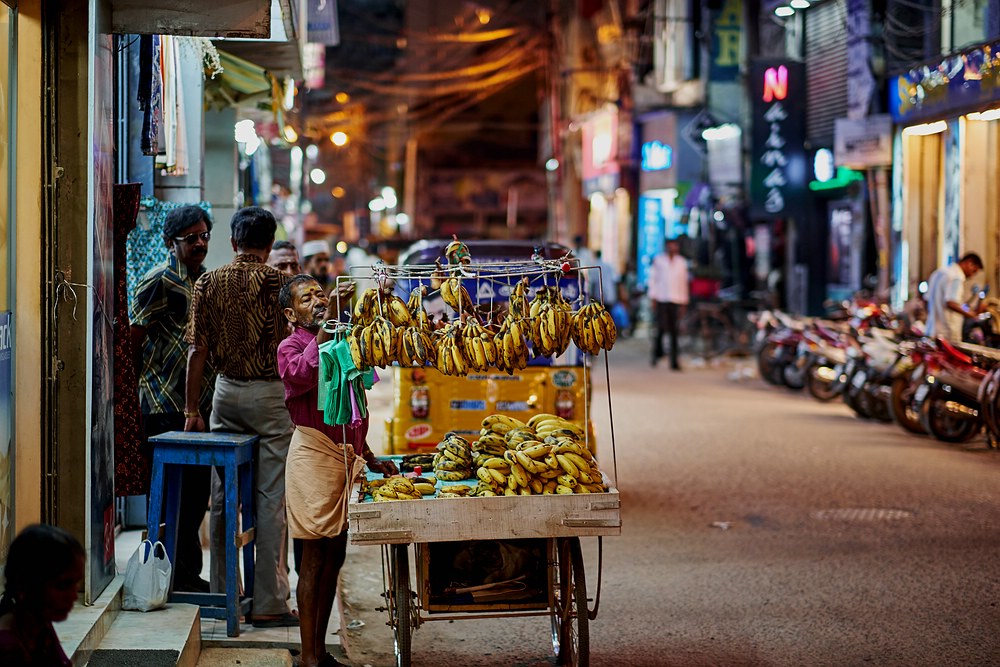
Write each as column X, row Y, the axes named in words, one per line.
column 191, row 415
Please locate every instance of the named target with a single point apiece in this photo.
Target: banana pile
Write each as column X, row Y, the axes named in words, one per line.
column 453, row 461
column 551, row 322
column 544, row 456
column 593, row 328
column 400, row 488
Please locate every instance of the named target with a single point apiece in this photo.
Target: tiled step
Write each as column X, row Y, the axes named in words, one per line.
column 245, row 657
column 169, row 637
column 86, row 626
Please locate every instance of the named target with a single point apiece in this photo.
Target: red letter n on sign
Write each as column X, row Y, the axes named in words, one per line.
column 775, row 83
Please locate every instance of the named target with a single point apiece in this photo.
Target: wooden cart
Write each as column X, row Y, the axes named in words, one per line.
column 550, row 525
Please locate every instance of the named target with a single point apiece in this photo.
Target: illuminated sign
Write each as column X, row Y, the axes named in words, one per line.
column 775, row 83
column 823, row 165
column 778, row 169
column 657, row 156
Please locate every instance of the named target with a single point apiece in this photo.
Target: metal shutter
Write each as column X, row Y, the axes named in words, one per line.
column 826, row 68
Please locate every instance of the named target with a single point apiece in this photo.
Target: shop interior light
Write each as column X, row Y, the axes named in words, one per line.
column 800, row 4
column 317, row 176
column 783, row 11
column 342, row 247
column 992, row 114
column 402, row 219
column 721, row 132
column 376, row 205
column 338, row 192
column 389, row 197
column 551, row 164
column 312, row 151
column 339, row 138
column 925, row 129
column 291, row 136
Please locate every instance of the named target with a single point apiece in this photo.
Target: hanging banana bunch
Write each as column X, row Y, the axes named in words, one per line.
column 593, row 328
column 366, row 308
column 456, row 296
column 418, row 315
column 450, row 355
column 550, row 322
column 511, row 346
column 478, row 346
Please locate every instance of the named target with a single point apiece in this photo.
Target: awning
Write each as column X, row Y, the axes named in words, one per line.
column 241, row 84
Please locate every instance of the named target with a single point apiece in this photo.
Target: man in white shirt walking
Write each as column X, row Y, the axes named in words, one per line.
column 946, row 310
column 668, row 292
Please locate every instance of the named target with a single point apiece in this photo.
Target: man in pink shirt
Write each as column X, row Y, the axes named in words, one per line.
column 323, row 461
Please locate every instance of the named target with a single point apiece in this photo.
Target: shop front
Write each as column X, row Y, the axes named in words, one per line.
column 8, row 70
column 609, row 221
column 946, row 148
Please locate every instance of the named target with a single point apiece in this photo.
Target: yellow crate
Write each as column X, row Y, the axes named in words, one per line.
column 428, row 404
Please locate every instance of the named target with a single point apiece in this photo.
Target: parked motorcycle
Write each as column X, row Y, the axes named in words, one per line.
column 948, row 400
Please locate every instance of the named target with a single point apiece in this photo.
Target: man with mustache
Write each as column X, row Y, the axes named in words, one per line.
column 159, row 315
column 321, row 460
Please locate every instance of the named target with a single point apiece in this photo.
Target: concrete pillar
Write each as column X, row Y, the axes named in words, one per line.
column 221, row 168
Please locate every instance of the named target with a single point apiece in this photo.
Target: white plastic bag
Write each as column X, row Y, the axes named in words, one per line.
column 147, row 578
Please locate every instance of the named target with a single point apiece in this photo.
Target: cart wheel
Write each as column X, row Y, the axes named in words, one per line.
column 401, row 601
column 570, row 623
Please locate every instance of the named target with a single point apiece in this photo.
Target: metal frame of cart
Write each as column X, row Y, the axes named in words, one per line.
column 558, row 520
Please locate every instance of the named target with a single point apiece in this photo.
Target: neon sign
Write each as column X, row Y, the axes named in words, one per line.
column 775, row 83
column 657, row 156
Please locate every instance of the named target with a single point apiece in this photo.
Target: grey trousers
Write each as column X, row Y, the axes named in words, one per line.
column 256, row 406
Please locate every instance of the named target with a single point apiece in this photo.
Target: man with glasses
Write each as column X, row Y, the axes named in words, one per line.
column 158, row 315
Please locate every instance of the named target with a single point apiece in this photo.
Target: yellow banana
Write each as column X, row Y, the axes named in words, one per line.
column 577, row 460
column 567, row 480
column 567, row 465
column 537, row 451
column 451, row 475
column 497, row 475
column 424, row 489
column 560, row 488
column 519, row 475
column 535, row 485
column 484, row 475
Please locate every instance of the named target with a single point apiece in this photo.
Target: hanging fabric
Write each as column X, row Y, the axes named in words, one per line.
column 131, row 466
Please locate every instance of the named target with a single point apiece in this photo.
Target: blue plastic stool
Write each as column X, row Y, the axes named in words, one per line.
column 234, row 453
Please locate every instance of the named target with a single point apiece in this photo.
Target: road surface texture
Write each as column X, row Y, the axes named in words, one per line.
column 760, row 527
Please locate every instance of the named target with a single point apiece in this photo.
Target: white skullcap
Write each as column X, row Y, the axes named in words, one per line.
column 310, row 248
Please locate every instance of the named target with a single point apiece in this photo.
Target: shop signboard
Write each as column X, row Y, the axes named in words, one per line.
column 863, row 143
column 778, row 167
column 946, row 87
column 845, row 248
column 658, row 166
column 727, row 42
column 600, row 153
column 322, row 25
column 652, row 232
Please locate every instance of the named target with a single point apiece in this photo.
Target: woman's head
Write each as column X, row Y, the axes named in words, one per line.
column 43, row 571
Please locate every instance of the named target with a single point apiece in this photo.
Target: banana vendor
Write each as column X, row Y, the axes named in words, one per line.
column 322, row 458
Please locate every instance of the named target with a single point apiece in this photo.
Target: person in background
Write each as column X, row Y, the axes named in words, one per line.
column 158, row 315
column 316, row 261
column 42, row 575
column 285, row 258
column 321, row 458
column 604, row 284
column 946, row 310
column 669, row 292
column 235, row 318
column 582, row 252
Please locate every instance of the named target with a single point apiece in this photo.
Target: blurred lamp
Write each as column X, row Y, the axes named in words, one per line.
column 317, row 176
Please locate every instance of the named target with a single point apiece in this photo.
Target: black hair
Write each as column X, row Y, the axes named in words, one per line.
column 181, row 218
column 974, row 258
column 281, row 245
column 253, row 228
column 38, row 555
column 285, row 295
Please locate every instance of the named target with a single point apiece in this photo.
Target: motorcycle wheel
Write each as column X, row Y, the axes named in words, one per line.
column 821, row 389
column 768, row 365
column 792, row 376
column 902, row 408
column 857, row 399
column 877, row 407
column 945, row 426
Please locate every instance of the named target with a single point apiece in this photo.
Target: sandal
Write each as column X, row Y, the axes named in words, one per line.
column 286, row 620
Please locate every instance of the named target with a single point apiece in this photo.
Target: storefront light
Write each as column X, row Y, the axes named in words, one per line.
column 402, row 219
column 783, row 11
column 389, row 197
column 376, row 205
column 992, row 114
column 317, row 176
column 721, row 132
column 800, row 4
column 925, row 129
column 551, row 164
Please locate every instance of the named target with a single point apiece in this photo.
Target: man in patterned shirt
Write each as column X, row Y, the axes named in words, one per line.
column 158, row 316
column 237, row 323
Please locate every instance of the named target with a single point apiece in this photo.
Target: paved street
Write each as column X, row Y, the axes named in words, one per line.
column 740, row 545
